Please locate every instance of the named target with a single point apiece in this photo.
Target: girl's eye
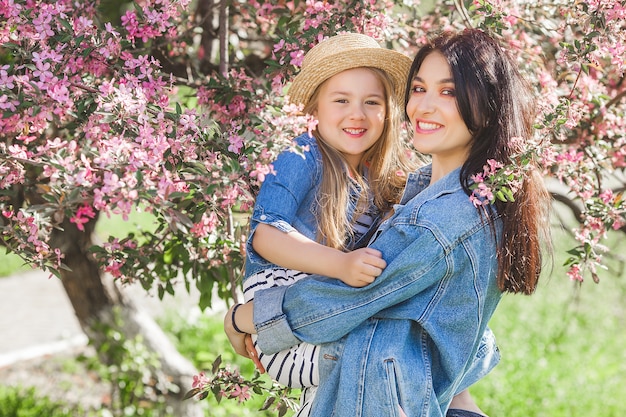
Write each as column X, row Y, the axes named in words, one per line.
column 372, row 102
column 418, row 89
column 341, row 100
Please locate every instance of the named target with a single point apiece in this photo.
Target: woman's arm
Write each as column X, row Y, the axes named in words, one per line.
column 295, row 251
column 243, row 319
column 320, row 310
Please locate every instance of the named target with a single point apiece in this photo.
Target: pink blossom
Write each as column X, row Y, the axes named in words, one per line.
column 43, row 70
column 241, row 393
column 205, row 226
column 296, row 58
column 235, row 143
column 575, row 273
column 129, row 21
column 82, row 216
column 606, row 196
column 200, row 381
column 6, row 80
column 9, row 9
column 261, row 171
column 8, row 104
column 188, row 121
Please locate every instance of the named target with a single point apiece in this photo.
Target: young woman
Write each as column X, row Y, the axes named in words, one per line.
column 407, row 342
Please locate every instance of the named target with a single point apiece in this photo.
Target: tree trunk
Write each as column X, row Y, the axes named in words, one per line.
column 97, row 301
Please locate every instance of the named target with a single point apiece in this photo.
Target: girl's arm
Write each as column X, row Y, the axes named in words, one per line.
column 295, row 251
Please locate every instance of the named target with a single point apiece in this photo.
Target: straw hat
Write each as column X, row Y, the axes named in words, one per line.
column 343, row 52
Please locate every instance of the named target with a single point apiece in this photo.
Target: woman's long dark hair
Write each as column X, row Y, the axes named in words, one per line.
column 497, row 106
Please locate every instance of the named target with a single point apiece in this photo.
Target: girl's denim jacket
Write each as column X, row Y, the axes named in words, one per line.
column 287, row 200
column 415, row 336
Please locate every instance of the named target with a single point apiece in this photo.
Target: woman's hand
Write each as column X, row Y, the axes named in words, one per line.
column 242, row 342
column 236, row 339
column 253, row 354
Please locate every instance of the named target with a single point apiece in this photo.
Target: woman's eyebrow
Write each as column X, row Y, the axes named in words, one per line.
column 443, row 81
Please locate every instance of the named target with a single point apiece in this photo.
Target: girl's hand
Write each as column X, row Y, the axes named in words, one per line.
column 362, row 266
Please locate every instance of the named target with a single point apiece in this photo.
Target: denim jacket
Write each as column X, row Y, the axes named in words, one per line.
column 410, row 337
column 287, row 200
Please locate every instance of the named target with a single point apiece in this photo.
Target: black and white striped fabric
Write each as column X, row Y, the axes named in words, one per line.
column 297, row 366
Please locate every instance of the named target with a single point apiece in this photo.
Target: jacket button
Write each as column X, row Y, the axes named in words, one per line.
column 263, row 217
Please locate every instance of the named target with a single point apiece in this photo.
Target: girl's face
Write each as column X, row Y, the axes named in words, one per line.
column 438, row 127
column 351, row 111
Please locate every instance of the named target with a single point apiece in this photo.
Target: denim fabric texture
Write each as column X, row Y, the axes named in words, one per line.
column 410, row 338
column 287, row 200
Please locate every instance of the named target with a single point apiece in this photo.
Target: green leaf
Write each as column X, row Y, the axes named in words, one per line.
column 216, row 364
column 268, row 403
column 192, row 393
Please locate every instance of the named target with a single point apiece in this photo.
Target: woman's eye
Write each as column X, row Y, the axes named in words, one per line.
column 418, row 89
column 448, row 92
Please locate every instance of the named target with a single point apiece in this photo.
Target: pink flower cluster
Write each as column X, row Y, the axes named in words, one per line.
column 231, row 385
column 486, row 183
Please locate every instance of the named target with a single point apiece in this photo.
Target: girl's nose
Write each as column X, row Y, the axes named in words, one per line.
column 357, row 112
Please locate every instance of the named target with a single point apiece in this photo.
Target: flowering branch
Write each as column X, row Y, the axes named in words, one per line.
column 229, row 384
column 499, row 182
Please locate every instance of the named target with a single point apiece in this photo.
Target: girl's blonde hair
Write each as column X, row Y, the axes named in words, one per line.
column 388, row 162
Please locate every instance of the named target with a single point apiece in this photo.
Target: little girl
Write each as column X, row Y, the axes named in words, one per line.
column 314, row 214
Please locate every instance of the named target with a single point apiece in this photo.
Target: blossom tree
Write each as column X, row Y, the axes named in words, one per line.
column 177, row 108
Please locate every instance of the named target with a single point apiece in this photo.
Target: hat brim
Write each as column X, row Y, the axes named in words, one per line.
column 395, row 64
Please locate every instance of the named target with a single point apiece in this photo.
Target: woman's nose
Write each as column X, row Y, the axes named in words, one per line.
column 425, row 105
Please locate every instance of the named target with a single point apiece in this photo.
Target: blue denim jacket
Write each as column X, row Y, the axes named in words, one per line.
column 287, row 200
column 410, row 337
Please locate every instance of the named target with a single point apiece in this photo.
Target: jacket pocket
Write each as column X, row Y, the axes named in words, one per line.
column 391, row 385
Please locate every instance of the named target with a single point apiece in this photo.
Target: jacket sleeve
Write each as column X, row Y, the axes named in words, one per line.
column 282, row 192
column 319, row 309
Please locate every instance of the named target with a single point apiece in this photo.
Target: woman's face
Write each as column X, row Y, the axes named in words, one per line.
column 351, row 109
column 438, row 128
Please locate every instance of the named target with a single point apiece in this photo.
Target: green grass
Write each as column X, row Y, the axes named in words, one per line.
column 115, row 226
column 25, row 402
column 11, row 264
column 562, row 349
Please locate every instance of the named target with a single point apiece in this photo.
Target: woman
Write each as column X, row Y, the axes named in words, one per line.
column 405, row 343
